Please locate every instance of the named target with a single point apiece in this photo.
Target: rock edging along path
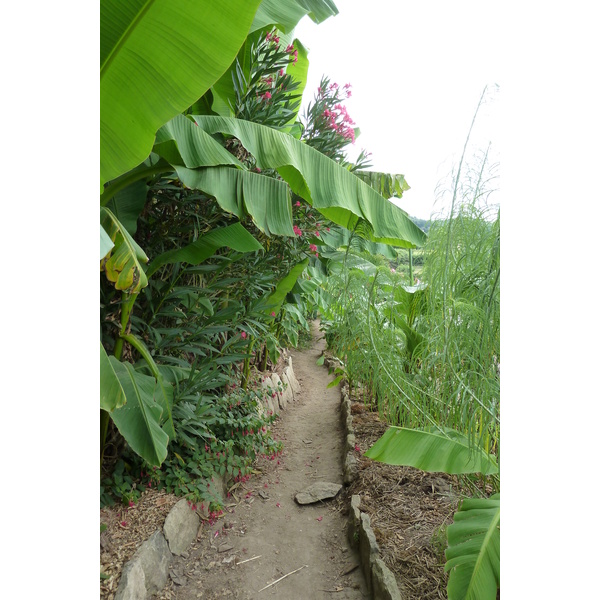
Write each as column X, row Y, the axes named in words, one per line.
column 268, row 545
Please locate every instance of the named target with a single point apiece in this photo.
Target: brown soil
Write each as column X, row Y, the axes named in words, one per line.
column 265, row 535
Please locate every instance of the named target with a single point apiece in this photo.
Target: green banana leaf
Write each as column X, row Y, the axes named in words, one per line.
column 334, row 191
column 286, row 14
column 431, row 451
column 112, row 394
column 138, row 420
column 234, row 236
column 473, row 553
column 157, row 57
column 265, row 199
column 164, row 390
column 128, row 204
column 181, row 142
column 386, row 184
column 340, row 238
column 122, row 264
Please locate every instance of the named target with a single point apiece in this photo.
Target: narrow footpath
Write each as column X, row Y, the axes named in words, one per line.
column 268, row 536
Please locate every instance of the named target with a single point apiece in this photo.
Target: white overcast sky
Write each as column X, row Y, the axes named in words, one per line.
column 417, row 71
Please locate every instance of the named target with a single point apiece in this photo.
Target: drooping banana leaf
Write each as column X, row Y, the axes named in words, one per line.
column 157, row 57
column 386, row 184
column 181, row 142
column 473, row 553
column 285, row 14
column 431, row 451
column 123, row 264
column 265, row 199
column 112, row 394
column 128, row 204
column 138, row 420
column 334, row 191
column 234, row 236
column 340, row 238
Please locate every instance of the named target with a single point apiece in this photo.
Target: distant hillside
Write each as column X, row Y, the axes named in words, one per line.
column 421, row 223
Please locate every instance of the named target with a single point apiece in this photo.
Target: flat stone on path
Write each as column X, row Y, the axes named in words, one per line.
column 322, row 490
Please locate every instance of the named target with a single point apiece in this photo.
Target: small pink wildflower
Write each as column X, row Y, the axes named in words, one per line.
column 317, row 233
column 281, row 72
column 312, row 248
column 244, row 335
column 319, row 518
column 298, row 203
column 123, row 523
column 267, row 95
column 328, row 229
column 297, row 230
column 290, row 48
column 356, row 448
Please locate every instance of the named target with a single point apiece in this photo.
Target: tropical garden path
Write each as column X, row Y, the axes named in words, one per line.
column 309, row 541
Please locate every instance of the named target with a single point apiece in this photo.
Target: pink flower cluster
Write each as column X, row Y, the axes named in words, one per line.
column 297, row 230
column 344, row 127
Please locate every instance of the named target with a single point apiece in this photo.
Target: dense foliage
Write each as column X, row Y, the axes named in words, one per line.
column 227, row 222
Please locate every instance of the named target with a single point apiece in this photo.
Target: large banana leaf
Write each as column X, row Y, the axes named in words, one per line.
column 473, row 553
column 112, row 394
column 340, row 238
column 265, row 199
column 128, row 204
column 431, row 451
column 234, row 236
column 122, row 264
column 335, row 192
column 157, row 57
column 139, row 420
column 286, row 14
column 181, row 142
column 386, row 184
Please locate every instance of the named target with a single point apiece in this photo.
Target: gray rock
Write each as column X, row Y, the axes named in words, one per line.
column 350, row 442
column 272, row 402
column 369, row 549
column 384, row 582
column 350, row 468
column 288, row 394
column 152, row 558
column 289, row 372
column 354, row 521
column 322, row 490
column 132, row 585
column 181, row 527
column 278, row 387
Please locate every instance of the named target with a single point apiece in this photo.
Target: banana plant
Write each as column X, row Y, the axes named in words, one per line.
column 473, row 554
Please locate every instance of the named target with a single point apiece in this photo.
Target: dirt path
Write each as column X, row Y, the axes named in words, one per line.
column 285, row 535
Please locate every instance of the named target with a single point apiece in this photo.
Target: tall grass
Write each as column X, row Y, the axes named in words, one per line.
column 429, row 356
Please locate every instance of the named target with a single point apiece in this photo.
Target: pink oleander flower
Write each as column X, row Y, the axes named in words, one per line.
column 272, row 313
column 258, row 170
column 298, row 203
column 244, row 335
column 295, row 57
column 317, row 233
column 290, row 48
column 297, row 230
column 312, row 248
column 267, row 95
column 268, row 36
column 281, row 72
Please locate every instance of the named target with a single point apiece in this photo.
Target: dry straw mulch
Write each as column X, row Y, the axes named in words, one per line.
column 409, row 510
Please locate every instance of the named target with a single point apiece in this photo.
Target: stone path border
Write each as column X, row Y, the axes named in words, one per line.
column 380, row 580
